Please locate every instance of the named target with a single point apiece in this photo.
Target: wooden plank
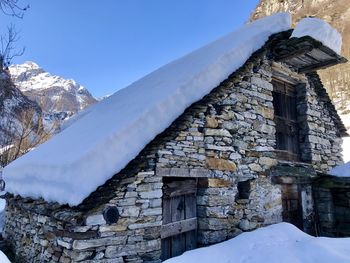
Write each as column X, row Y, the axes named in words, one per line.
column 319, row 55
column 166, row 248
column 178, row 245
column 293, row 53
column 296, row 62
column 178, row 227
column 178, row 188
column 177, row 208
column 321, row 65
column 190, row 206
column 191, row 240
column 166, row 210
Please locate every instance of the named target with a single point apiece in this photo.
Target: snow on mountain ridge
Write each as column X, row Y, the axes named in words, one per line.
column 55, row 95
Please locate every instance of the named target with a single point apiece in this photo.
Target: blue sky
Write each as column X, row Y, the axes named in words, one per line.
column 106, row 45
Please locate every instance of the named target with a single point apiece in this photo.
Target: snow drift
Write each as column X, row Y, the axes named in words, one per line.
column 273, row 244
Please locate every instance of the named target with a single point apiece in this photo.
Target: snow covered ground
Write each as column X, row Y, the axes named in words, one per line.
column 3, row 258
column 346, row 149
column 273, row 244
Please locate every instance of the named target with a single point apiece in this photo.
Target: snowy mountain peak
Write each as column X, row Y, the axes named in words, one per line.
column 54, row 94
column 59, row 98
column 30, row 64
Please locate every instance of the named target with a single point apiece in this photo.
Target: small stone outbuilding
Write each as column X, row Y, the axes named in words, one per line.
column 242, row 157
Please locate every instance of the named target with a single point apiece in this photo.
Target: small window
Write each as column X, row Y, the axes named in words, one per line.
column 243, row 190
column 287, row 130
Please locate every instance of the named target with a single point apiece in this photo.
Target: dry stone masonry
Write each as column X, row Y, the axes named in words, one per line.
column 226, row 142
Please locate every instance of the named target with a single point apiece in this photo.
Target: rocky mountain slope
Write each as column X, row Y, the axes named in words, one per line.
column 13, row 102
column 20, row 121
column 337, row 13
column 33, row 105
column 58, row 98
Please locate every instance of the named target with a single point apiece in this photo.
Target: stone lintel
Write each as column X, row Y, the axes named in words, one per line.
column 329, row 181
column 184, row 172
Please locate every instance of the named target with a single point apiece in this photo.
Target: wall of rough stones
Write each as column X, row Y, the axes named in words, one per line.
column 230, row 134
column 321, row 145
column 333, row 208
column 59, row 235
column 225, row 139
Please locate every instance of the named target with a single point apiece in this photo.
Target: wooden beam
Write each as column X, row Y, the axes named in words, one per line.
column 294, row 53
column 177, row 188
column 320, row 65
column 178, row 227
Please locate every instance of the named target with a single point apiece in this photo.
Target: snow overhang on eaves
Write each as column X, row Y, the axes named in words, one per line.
column 306, row 54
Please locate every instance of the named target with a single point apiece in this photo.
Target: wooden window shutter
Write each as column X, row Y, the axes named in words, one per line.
column 287, row 130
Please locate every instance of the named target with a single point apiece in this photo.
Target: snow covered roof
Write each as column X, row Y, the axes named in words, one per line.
column 108, row 135
column 320, row 30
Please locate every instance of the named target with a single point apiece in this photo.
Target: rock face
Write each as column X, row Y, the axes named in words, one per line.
column 34, row 102
column 59, row 98
column 18, row 113
column 337, row 13
column 13, row 101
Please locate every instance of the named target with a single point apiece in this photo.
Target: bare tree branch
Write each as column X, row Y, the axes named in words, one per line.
column 12, row 8
column 22, row 133
column 8, row 51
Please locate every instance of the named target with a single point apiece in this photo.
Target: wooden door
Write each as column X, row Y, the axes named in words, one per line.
column 179, row 229
column 291, row 205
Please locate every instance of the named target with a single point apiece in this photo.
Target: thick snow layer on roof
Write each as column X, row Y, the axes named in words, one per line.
column 319, row 30
column 109, row 135
column 341, row 170
column 273, row 244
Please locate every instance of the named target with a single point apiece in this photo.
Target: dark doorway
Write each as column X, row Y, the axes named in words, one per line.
column 179, row 229
column 291, row 205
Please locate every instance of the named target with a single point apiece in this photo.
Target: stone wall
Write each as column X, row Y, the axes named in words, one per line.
column 230, row 135
column 332, row 205
column 226, row 140
column 58, row 235
column 320, row 141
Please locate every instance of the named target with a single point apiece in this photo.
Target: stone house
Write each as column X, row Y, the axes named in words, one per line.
column 243, row 156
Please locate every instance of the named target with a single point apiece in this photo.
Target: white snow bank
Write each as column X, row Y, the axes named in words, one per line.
column 3, row 258
column 319, row 30
column 109, row 135
column 346, row 149
column 341, row 170
column 273, row 244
